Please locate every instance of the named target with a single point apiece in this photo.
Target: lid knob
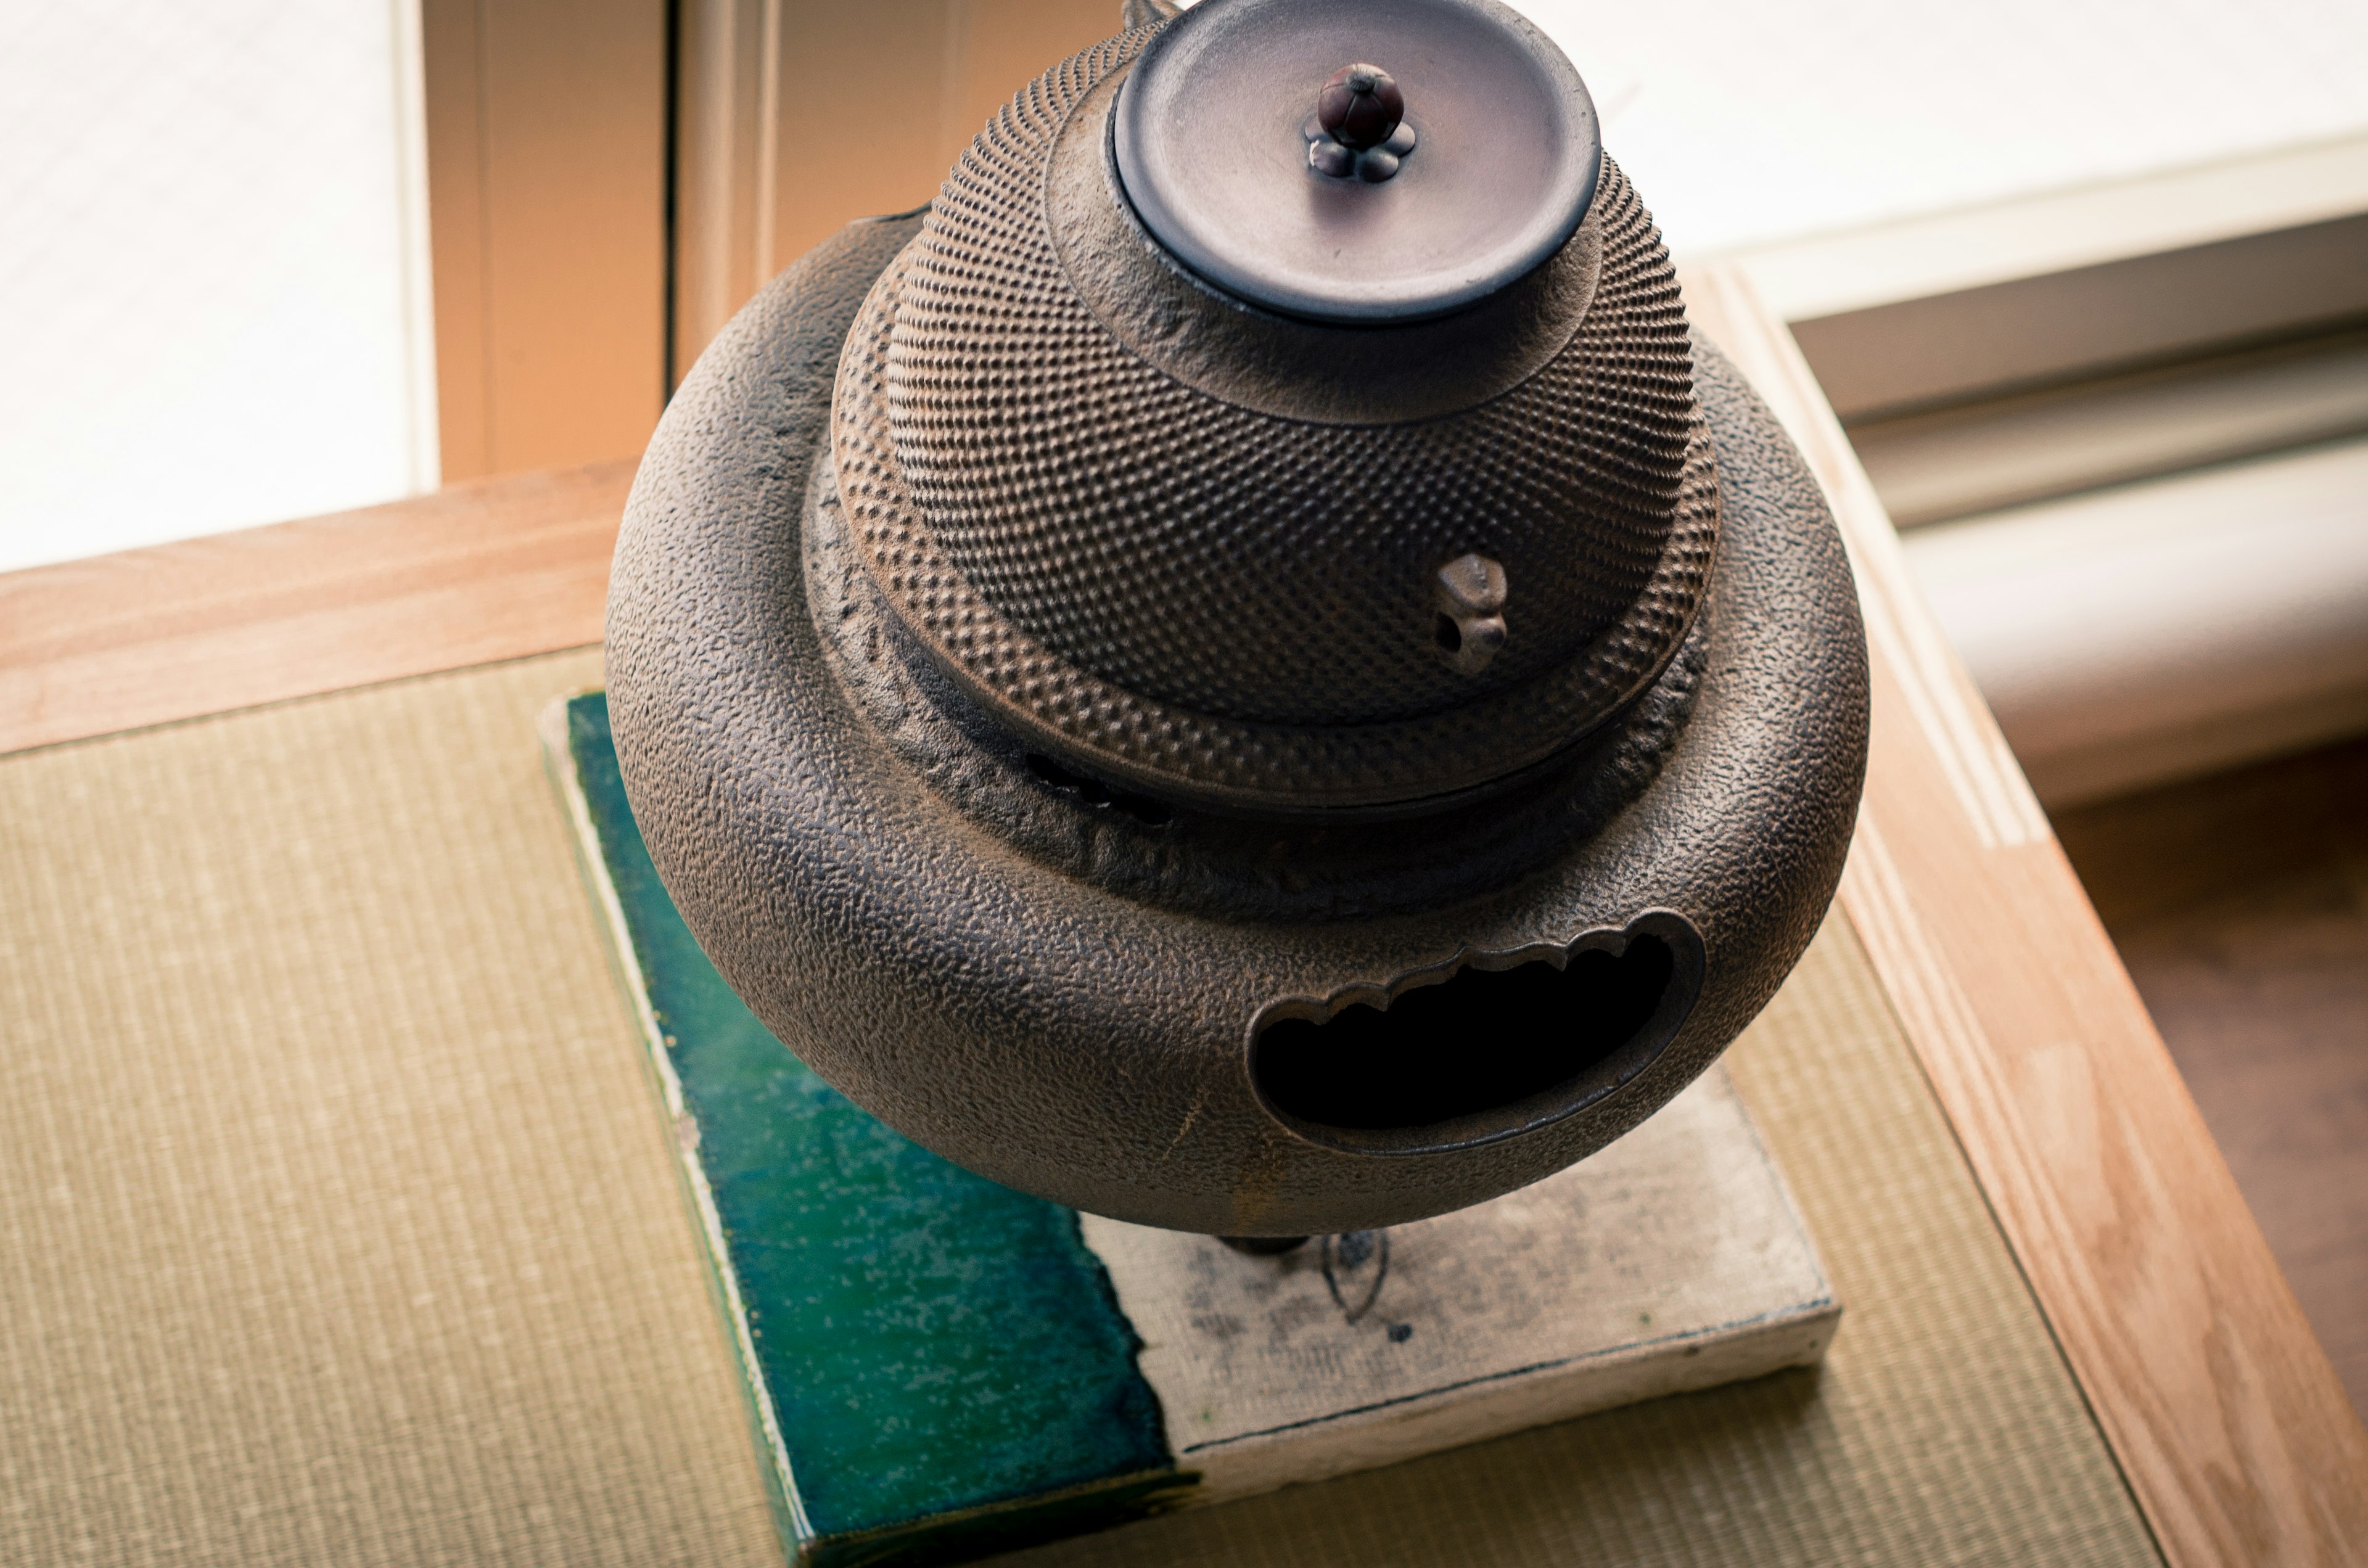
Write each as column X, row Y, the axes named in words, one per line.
column 1359, row 129
column 1361, row 105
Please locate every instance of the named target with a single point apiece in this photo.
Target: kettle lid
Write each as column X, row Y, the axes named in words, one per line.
column 1357, row 161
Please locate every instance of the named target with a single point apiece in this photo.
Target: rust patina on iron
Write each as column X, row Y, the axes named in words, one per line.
column 1235, row 694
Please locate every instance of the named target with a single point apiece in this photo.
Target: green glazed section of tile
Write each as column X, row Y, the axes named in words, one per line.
column 940, row 1359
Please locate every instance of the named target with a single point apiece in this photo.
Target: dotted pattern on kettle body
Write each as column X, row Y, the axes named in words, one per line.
column 1162, row 745
column 1165, row 544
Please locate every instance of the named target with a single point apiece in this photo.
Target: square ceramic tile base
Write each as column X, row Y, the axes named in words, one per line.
column 1673, row 1260
column 936, row 1365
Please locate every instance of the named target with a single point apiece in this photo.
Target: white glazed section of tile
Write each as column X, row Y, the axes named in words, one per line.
column 1673, row 1260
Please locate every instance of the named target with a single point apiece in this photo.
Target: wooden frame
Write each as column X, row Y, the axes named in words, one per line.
column 2236, row 1439
column 495, row 570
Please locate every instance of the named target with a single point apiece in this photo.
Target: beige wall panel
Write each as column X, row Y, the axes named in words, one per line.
column 547, row 144
column 857, row 119
column 798, row 116
column 1003, row 45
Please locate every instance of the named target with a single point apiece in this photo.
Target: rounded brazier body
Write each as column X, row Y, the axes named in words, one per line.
column 1168, row 985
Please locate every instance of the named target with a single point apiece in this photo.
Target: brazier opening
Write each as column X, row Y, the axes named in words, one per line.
column 1486, row 1051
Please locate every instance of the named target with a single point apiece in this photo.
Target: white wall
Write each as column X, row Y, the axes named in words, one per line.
column 1744, row 121
column 214, row 292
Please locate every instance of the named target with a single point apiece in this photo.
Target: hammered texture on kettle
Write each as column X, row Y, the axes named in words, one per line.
column 1245, row 567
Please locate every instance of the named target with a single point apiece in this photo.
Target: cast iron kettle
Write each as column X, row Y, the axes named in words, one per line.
column 1243, row 670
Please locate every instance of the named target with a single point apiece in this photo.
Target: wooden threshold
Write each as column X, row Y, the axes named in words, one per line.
column 492, row 570
column 2240, row 903
column 2236, row 1436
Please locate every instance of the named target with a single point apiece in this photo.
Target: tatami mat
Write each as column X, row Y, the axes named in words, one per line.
column 337, row 1223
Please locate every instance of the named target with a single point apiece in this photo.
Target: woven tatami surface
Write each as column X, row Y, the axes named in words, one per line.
column 337, row 1223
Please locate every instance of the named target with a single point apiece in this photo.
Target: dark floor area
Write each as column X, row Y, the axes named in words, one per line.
column 2240, row 904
